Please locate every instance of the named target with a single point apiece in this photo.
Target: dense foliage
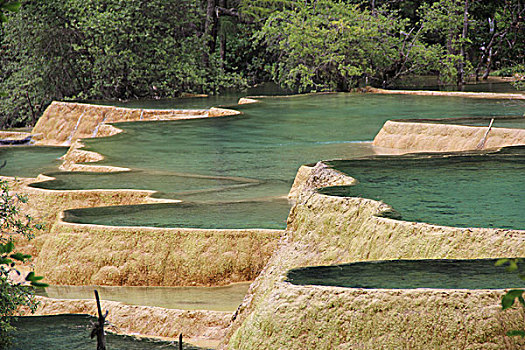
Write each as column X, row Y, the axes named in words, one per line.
column 13, row 225
column 125, row 49
column 111, row 49
column 332, row 46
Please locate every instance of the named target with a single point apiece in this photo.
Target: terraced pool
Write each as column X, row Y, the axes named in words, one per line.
column 470, row 190
column 225, row 298
column 250, row 158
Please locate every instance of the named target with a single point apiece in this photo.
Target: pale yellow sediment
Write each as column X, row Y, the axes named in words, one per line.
column 306, row 181
column 245, row 101
column 327, row 230
column 63, row 122
column 82, row 254
column 13, row 135
column 71, row 161
column 485, row 95
column 221, row 112
column 45, row 206
column 430, row 137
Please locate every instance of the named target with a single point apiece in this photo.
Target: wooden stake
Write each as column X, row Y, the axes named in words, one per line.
column 481, row 144
column 98, row 330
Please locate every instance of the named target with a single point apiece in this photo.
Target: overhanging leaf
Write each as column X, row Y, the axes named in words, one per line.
column 7, row 248
column 508, row 299
column 501, row 262
column 20, row 256
column 13, row 6
column 30, row 276
column 516, row 333
column 39, row 284
column 5, row 261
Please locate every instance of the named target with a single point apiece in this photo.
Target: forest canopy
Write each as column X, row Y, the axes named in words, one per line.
column 126, row 49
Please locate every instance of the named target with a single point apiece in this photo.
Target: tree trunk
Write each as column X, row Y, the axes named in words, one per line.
column 488, row 66
column 222, row 42
column 461, row 70
column 98, row 330
column 210, row 31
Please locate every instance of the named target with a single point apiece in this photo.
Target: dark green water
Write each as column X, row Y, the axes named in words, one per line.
column 29, row 161
column 409, row 274
column 431, row 83
column 225, row 98
column 456, row 190
column 71, row 332
column 227, row 298
column 256, row 214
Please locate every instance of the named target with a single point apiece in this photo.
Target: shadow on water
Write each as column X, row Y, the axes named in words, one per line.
column 233, row 215
column 72, row 332
column 409, row 274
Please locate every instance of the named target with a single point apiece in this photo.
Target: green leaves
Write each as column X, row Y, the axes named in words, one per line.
column 13, row 294
column 508, row 299
column 12, row 6
column 20, row 257
column 5, row 6
column 31, row 277
column 516, row 333
column 332, row 45
column 7, row 247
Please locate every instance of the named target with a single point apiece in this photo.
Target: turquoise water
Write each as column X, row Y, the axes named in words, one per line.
column 71, row 332
column 272, row 139
column 249, row 158
column 408, row 274
column 29, row 161
column 457, row 190
column 227, row 298
column 169, row 184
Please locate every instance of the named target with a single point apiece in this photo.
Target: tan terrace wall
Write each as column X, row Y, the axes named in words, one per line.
column 45, row 206
column 429, row 137
column 78, row 254
column 64, row 122
column 326, row 230
column 81, row 254
column 491, row 95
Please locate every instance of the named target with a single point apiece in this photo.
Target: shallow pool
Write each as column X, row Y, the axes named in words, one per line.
column 227, row 298
column 248, row 158
column 269, row 214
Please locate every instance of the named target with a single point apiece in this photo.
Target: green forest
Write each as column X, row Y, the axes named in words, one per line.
column 128, row 49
